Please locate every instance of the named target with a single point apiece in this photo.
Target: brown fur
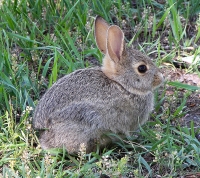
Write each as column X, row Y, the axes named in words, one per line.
column 82, row 106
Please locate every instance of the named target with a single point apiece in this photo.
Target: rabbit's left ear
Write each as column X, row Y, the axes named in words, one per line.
column 115, row 43
column 101, row 28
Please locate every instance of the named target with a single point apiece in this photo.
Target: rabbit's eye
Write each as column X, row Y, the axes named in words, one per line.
column 142, row 68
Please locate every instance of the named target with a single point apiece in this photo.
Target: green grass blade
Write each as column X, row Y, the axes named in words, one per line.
column 184, row 86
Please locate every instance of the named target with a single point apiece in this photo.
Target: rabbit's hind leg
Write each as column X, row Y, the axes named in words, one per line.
column 72, row 137
column 72, row 127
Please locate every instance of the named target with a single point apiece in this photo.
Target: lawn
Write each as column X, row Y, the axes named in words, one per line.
column 43, row 40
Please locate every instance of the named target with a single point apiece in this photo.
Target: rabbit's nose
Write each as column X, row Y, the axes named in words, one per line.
column 158, row 79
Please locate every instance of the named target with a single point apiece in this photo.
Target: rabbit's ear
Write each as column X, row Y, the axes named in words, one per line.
column 101, row 28
column 115, row 43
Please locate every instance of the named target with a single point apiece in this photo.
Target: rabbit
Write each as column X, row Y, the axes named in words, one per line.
column 117, row 97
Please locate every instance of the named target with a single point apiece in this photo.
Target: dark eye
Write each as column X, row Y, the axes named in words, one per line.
column 142, row 68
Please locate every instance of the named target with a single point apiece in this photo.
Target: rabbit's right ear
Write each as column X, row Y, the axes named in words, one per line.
column 115, row 43
column 101, row 28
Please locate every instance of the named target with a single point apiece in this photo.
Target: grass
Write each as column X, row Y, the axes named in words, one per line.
column 40, row 41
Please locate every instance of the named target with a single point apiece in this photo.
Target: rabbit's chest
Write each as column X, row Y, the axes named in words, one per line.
column 134, row 104
column 128, row 113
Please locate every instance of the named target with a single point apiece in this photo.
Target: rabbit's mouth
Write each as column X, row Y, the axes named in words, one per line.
column 158, row 80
